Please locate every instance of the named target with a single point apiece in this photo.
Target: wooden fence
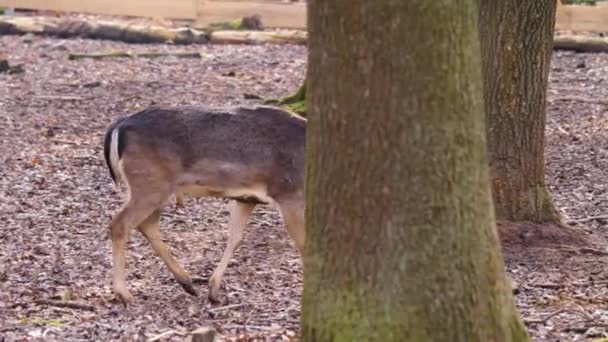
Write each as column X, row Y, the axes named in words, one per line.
column 274, row 13
column 284, row 14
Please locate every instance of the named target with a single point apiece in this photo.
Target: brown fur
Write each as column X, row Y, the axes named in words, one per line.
column 252, row 155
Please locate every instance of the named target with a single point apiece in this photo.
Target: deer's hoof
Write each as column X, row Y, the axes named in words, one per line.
column 214, row 290
column 213, row 297
column 123, row 295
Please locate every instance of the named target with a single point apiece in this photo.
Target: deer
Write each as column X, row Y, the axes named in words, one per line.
column 247, row 155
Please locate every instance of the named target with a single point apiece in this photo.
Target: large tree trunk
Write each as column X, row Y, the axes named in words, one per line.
column 516, row 43
column 401, row 239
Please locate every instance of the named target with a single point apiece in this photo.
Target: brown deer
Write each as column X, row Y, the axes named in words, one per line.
column 250, row 155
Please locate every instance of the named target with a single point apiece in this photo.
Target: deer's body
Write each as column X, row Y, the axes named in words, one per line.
column 251, row 155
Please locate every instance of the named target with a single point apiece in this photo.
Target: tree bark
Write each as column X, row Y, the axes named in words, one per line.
column 516, row 43
column 401, row 238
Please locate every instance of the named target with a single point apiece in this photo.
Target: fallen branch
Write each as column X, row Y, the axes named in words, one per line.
column 258, row 37
column 66, row 304
column 125, row 54
column 547, row 317
column 580, row 44
column 593, row 251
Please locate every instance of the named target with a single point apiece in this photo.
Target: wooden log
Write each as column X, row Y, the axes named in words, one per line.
column 130, row 33
column 580, row 44
column 109, row 30
column 22, row 25
column 258, row 37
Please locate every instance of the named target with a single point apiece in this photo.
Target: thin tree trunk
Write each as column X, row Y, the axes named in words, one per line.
column 401, row 239
column 516, row 43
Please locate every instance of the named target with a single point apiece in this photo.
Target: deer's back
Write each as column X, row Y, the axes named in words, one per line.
column 222, row 148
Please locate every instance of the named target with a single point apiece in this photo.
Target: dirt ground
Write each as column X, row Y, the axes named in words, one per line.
column 57, row 199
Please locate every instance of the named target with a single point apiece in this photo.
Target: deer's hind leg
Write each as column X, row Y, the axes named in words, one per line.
column 239, row 213
column 150, row 228
column 144, row 199
column 292, row 211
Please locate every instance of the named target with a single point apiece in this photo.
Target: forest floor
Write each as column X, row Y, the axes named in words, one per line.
column 57, row 200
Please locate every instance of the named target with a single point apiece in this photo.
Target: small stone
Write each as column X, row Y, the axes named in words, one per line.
column 92, row 84
column 253, row 23
column 3, row 274
column 17, row 69
column 4, row 66
column 27, row 39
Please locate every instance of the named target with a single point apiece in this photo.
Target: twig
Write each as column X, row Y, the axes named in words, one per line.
column 591, row 283
column 581, row 309
column 59, row 97
column 592, row 218
column 227, row 307
column 10, row 328
column 61, row 141
column 270, row 320
column 66, row 304
column 120, row 54
column 547, row 317
column 126, row 99
column 167, row 334
column 586, row 324
column 580, row 99
column 593, row 251
column 252, row 327
column 549, row 285
column 561, row 129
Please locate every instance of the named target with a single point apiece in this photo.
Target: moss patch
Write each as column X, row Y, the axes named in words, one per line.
column 41, row 321
column 295, row 103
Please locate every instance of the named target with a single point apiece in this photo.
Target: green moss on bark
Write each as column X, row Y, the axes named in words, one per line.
column 296, row 102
